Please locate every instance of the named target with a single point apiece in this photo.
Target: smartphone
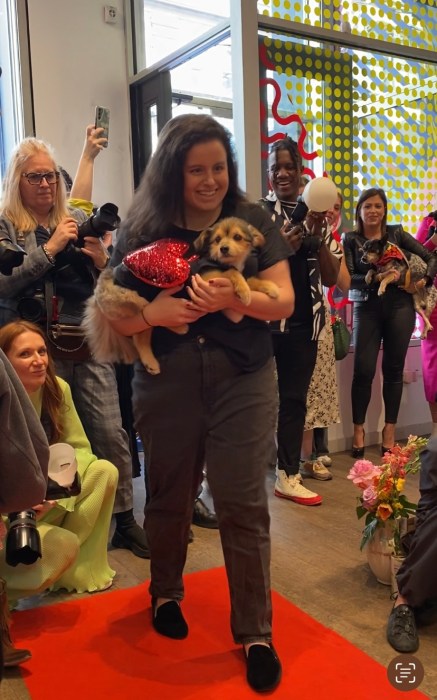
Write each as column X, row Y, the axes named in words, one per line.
column 102, row 120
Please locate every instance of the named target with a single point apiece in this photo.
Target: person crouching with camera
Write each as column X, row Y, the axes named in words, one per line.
column 50, row 287
column 73, row 531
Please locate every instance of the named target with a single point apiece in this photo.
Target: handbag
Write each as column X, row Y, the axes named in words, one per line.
column 65, row 336
column 342, row 337
column 68, row 342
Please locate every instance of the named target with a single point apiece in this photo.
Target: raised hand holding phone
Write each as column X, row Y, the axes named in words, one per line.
column 102, row 121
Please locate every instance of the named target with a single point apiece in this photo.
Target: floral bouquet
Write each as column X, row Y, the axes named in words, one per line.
column 382, row 487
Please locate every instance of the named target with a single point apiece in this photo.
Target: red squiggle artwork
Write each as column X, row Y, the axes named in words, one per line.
column 286, row 120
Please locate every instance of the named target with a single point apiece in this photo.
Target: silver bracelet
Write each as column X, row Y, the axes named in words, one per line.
column 49, row 256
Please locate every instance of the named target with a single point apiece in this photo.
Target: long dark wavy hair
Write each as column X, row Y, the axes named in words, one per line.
column 158, row 202
column 366, row 194
column 52, row 396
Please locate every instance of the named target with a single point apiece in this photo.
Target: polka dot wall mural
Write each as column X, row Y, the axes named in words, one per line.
column 364, row 118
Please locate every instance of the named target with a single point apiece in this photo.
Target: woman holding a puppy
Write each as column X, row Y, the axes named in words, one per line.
column 214, row 401
column 389, row 318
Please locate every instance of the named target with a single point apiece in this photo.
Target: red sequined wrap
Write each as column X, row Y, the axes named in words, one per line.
column 160, row 263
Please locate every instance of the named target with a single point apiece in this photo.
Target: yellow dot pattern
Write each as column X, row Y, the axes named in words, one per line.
column 369, row 117
column 405, row 22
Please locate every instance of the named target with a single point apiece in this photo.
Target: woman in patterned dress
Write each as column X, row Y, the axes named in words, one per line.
column 322, row 399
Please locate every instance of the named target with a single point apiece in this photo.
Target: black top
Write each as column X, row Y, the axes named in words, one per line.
column 353, row 243
column 247, row 343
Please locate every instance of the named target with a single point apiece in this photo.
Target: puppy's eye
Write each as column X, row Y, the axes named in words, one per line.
column 238, row 237
column 217, row 239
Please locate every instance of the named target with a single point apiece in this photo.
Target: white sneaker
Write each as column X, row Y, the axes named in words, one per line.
column 315, row 470
column 291, row 487
column 325, row 459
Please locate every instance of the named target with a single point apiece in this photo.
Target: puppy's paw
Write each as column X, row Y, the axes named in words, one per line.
column 244, row 296
column 369, row 277
column 242, row 291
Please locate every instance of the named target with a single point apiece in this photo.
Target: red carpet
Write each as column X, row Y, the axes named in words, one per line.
column 102, row 647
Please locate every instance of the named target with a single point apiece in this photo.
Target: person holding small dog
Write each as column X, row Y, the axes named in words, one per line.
column 214, row 400
column 427, row 235
column 73, row 531
column 389, row 317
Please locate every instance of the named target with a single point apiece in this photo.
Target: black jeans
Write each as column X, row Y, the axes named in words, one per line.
column 320, row 442
column 389, row 318
column 202, row 408
column 416, row 577
column 295, row 355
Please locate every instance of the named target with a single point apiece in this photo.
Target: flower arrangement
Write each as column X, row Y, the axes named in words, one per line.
column 382, row 498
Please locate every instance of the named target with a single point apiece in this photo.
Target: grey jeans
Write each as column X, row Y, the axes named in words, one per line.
column 202, row 408
column 95, row 395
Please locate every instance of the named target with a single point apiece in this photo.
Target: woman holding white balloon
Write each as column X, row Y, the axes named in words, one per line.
column 312, row 264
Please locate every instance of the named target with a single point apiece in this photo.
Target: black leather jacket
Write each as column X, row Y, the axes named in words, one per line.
column 353, row 243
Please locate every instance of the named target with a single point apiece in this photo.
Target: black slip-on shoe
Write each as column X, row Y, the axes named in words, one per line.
column 169, row 621
column 264, row 669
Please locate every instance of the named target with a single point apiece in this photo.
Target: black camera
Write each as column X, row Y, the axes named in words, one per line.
column 300, row 211
column 104, row 219
column 310, row 243
column 32, row 308
column 11, row 255
column 23, row 543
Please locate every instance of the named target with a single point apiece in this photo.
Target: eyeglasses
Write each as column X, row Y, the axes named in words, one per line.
column 36, row 178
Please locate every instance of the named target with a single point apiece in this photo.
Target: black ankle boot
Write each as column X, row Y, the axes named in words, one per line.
column 129, row 535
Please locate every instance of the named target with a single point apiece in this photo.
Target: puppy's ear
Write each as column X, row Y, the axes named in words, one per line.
column 257, row 237
column 201, row 244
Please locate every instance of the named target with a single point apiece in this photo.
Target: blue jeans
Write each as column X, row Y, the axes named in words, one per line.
column 389, row 318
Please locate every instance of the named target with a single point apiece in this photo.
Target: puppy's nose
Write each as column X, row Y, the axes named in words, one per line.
column 224, row 249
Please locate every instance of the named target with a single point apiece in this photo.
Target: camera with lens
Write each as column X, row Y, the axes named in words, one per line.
column 23, row 543
column 105, row 218
column 310, row 243
column 32, row 307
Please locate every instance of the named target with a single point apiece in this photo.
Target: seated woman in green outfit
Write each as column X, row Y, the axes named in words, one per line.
column 74, row 531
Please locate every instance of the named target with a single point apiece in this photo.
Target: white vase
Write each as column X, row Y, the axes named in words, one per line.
column 379, row 551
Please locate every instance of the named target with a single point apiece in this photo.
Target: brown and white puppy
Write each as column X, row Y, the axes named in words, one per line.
column 224, row 248
column 390, row 266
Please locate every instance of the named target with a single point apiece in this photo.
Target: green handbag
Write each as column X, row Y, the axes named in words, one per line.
column 342, row 338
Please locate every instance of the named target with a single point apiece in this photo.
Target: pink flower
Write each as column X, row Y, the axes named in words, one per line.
column 363, row 473
column 370, row 497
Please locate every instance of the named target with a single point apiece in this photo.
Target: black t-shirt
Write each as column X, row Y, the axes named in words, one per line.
column 247, row 343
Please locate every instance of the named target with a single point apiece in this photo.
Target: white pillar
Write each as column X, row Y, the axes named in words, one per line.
column 245, row 87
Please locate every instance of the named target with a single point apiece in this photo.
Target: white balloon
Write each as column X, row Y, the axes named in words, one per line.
column 320, row 194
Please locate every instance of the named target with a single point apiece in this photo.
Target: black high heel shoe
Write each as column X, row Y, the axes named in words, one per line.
column 358, row 452
column 385, row 449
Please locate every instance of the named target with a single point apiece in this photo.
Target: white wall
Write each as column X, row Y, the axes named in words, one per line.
column 79, row 61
